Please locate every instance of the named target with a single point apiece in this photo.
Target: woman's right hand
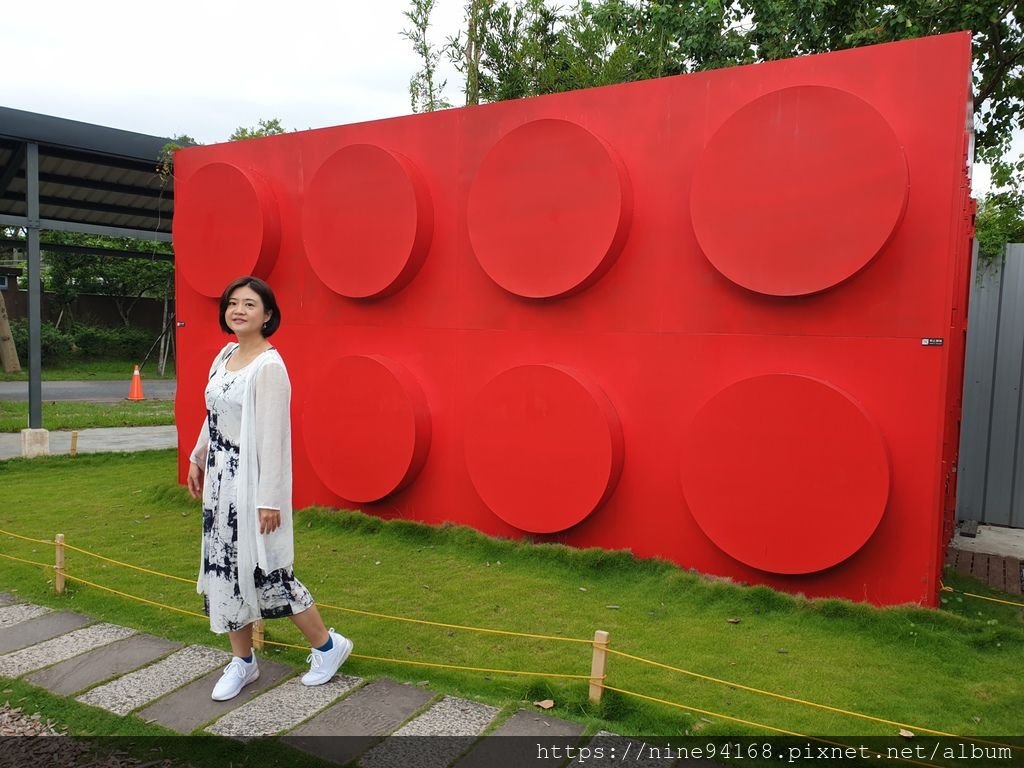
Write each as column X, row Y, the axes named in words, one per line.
column 195, row 480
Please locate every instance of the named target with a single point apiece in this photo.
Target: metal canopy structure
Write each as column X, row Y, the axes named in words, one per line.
column 67, row 176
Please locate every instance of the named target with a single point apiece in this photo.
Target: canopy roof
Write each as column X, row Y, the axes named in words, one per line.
column 91, row 178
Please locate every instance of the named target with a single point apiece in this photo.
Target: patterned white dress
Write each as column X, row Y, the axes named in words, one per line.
column 279, row 593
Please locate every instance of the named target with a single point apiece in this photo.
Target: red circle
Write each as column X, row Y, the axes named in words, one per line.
column 785, row 473
column 543, row 447
column 367, row 433
column 367, row 221
column 549, row 209
column 798, row 191
column 225, row 225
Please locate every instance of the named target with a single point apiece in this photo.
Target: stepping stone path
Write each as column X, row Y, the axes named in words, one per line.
column 125, row 672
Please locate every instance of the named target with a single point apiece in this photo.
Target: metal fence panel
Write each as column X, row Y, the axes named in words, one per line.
column 991, row 480
column 1002, row 452
column 979, row 369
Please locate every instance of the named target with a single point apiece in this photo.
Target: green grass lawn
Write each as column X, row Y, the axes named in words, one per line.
column 955, row 670
column 65, row 414
column 97, row 370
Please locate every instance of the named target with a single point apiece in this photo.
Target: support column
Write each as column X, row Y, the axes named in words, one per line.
column 35, row 440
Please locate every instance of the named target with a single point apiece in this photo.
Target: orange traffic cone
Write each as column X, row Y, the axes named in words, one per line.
column 135, row 390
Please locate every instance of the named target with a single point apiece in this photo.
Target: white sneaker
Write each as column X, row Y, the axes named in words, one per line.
column 237, row 675
column 323, row 664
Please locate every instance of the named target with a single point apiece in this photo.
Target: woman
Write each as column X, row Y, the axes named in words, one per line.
column 241, row 468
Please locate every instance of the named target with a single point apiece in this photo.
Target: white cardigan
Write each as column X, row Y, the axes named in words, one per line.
column 264, row 479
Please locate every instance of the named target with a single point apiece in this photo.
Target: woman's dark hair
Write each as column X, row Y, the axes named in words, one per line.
column 265, row 293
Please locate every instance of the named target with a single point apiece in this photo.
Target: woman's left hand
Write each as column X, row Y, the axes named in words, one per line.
column 270, row 520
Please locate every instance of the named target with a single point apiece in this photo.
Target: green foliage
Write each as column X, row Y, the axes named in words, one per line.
column 1000, row 220
column 125, row 278
column 425, row 91
column 271, row 127
column 95, row 343
column 54, row 346
column 165, row 163
column 516, row 48
column 83, row 342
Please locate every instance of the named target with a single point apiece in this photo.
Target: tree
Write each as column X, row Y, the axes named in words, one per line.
column 1000, row 220
column 524, row 47
column 271, row 127
column 425, row 91
column 126, row 279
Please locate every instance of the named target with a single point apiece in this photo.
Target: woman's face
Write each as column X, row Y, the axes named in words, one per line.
column 245, row 313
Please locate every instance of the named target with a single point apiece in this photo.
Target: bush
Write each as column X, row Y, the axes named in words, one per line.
column 96, row 343
column 83, row 342
column 54, row 346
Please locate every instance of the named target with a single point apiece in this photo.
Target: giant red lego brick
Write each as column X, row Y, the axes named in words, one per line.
column 716, row 318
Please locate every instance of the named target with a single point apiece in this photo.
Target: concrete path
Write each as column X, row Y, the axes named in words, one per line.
column 118, row 439
column 122, row 671
column 91, row 391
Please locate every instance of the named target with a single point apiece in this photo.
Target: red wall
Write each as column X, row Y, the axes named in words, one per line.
column 684, row 317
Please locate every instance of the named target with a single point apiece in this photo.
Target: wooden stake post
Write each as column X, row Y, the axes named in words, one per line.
column 598, row 664
column 58, row 581
column 257, row 635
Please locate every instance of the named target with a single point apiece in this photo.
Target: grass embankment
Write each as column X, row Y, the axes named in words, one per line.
column 955, row 670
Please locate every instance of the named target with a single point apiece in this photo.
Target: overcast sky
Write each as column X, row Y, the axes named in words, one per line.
column 206, row 68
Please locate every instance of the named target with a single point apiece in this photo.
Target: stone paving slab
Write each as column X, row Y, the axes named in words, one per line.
column 81, row 672
column 15, row 614
column 136, row 689
column 616, row 751
column 498, row 752
column 459, row 721
column 37, row 630
column 362, row 719
column 282, row 708
column 6, row 598
column 190, row 707
column 61, row 648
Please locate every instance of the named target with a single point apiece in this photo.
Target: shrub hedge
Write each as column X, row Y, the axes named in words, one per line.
column 83, row 342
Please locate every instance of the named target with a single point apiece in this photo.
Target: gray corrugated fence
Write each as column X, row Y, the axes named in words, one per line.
column 990, row 483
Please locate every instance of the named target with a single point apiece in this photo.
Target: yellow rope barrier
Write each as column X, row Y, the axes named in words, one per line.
column 1014, row 603
column 455, row 626
column 129, row 565
column 355, row 655
column 741, row 721
column 30, row 562
column 438, row 665
column 702, row 711
column 780, row 696
column 26, row 538
column 708, row 678
column 133, row 597
column 425, row 622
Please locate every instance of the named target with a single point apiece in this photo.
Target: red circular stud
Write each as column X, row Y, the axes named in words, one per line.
column 549, row 209
column 367, row 221
column 225, row 225
column 785, row 473
column 543, row 447
column 367, row 433
column 798, row 191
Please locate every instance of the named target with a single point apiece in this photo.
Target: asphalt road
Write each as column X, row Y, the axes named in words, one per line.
column 89, row 391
